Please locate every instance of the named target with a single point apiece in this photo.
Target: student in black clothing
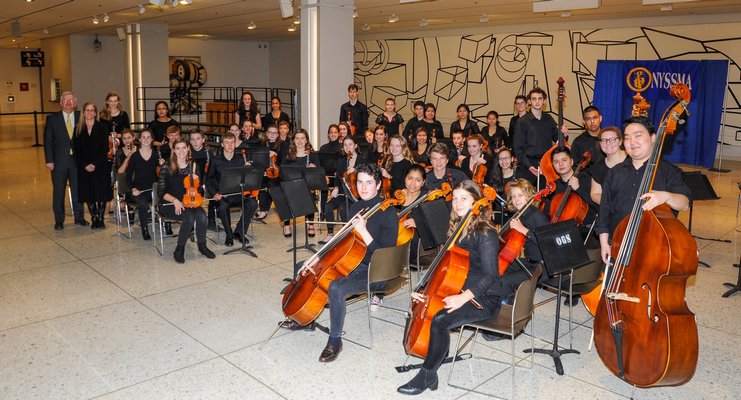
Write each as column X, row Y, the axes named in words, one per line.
column 344, row 130
column 141, row 173
column 275, row 116
column 340, row 197
column 354, row 111
column 414, row 186
column 440, row 171
column 159, row 125
column 113, row 116
column 536, row 131
column 432, row 126
column 248, row 111
column 302, row 154
column 496, row 135
column 458, row 150
column 171, row 192
column 621, row 184
column 565, row 168
column 229, row 159
column 397, row 163
column 587, row 140
column 520, row 108
column 198, row 150
column 421, row 152
column 464, row 122
column 164, row 150
column 274, row 145
column 477, row 158
column 377, row 149
column 389, row 118
column 333, row 146
column 504, row 171
column 518, row 193
column 126, row 149
column 483, row 285
column 377, row 232
column 249, row 137
column 414, row 123
column 610, row 141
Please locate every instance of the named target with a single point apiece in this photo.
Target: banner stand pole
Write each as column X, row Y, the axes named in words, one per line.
column 722, row 128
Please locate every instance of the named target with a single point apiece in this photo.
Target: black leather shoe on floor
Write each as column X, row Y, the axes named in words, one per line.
column 492, row 337
column 330, row 353
column 229, row 242
column 292, row 325
column 58, row 226
column 81, row 222
column 425, row 379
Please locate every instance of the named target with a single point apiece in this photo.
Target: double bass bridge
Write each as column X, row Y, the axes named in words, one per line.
column 622, row 297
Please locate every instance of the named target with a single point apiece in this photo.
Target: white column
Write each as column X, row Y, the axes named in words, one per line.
column 146, row 64
column 326, row 63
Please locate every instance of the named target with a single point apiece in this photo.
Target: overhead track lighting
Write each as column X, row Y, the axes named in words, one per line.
column 297, row 21
column 355, row 13
column 365, row 27
column 187, row 3
column 292, row 28
column 95, row 19
column 251, row 26
column 106, row 18
column 45, row 31
column 484, row 18
column 422, row 23
column 142, row 9
column 393, row 18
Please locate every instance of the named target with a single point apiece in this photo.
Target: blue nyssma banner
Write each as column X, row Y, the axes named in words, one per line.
column 617, row 81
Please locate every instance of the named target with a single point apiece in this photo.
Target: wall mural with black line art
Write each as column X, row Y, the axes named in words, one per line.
column 486, row 71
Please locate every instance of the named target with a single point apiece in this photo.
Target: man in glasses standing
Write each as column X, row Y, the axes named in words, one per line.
column 588, row 140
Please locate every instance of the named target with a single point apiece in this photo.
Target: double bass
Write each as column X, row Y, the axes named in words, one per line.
column 643, row 330
column 546, row 162
column 306, row 295
column 446, row 277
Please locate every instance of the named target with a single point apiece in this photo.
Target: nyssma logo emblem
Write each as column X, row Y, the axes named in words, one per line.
column 640, row 79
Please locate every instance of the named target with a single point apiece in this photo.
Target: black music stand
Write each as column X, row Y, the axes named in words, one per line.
column 701, row 189
column 251, row 180
column 432, row 219
column 259, row 157
column 563, row 250
column 737, row 286
column 297, row 201
column 328, row 161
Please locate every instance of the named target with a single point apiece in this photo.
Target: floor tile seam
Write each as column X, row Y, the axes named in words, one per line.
column 256, row 378
column 155, row 377
column 75, row 261
column 736, row 334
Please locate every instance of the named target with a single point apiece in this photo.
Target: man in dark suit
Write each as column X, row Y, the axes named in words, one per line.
column 60, row 160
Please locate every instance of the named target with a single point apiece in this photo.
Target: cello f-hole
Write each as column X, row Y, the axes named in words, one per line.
column 649, row 304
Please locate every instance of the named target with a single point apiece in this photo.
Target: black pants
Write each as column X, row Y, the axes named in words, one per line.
column 142, row 206
column 443, row 322
column 59, row 177
column 187, row 218
column 337, row 203
column 250, row 205
column 264, row 196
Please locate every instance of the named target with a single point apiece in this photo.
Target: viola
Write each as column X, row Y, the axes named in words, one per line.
column 192, row 198
column 405, row 234
column 644, row 332
column 446, row 277
column 513, row 241
column 112, row 144
column 385, row 182
column 568, row 205
column 546, row 162
column 306, row 295
column 273, row 171
column 351, row 178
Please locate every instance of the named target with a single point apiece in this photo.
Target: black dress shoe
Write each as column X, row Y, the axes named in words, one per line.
column 81, row 222
column 58, row 226
column 425, row 379
column 492, row 337
column 238, row 237
column 330, row 353
column 574, row 301
column 229, row 242
column 292, row 325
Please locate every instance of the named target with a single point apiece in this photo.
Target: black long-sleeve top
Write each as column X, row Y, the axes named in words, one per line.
column 398, row 174
column 585, row 183
column 268, row 119
column 620, row 189
column 118, row 123
column 217, row 167
column 465, row 166
column 383, row 226
column 432, row 182
column 358, row 115
column 586, row 142
column 342, row 168
column 173, row 184
column 469, row 129
column 313, row 159
column 483, row 262
column 410, row 128
column 142, row 173
column 434, row 129
column 498, row 138
column 534, row 137
column 159, row 129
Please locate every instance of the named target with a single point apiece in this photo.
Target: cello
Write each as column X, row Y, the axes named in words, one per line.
column 306, row 295
column 643, row 330
column 567, row 205
column 546, row 162
column 512, row 240
column 446, row 277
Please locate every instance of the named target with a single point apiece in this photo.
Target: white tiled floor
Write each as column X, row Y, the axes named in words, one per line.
column 89, row 314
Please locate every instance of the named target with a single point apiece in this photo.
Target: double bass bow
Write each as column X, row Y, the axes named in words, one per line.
column 306, row 295
column 546, row 162
column 643, row 330
column 446, row 277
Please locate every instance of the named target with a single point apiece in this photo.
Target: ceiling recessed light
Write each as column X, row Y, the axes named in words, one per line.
column 393, row 18
column 251, row 26
column 186, row 2
column 106, row 18
column 354, row 13
column 365, row 27
column 95, row 19
column 45, row 31
column 666, row 7
column 297, row 21
column 484, row 18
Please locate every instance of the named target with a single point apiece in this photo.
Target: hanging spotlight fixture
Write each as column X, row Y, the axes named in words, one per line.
column 252, row 26
column 393, row 18
column 484, row 18
column 95, row 19
column 106, row 18
column 142, row 9
column 422, row 23
column 292, row 28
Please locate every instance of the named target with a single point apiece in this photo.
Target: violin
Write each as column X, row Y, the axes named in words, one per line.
column 273, row 171
column 350, row 123
column 306, row 295
column 112, row 144
column 351, row 178
column 446, row 277
column 644, row 332
column 513, row 240
column 192, row 198
column 385, row 182
column 568, row 205
column 479, row 173
column 546, row 162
